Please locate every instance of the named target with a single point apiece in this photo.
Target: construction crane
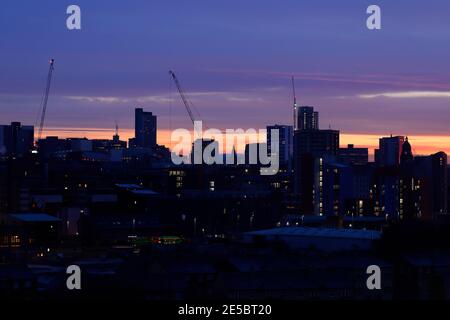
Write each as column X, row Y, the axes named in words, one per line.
column 187, row 103
column 45, row 97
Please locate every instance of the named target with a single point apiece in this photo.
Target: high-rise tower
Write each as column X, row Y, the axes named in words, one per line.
column 145, row 129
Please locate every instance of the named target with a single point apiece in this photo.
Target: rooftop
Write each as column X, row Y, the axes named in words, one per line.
column 144, row 192
column 34, row 217
column 318, row 232
column 128, row 186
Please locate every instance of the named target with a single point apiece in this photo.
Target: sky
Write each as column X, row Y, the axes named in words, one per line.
column 235, row 59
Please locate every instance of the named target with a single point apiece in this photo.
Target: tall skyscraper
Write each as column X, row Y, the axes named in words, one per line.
column 389, row 151
column 306, row 118
column 16, row 139
column 145, row 129
column 286, row 143
column 311, row 145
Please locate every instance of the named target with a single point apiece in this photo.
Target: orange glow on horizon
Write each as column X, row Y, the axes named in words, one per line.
column 421, row 144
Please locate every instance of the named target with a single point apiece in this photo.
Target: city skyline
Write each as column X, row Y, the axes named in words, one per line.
column 163, row 138
column 186, row 153
column 421, row 145
column 235, row 67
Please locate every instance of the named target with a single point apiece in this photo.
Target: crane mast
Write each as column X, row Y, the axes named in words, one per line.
column 185, row 100
column 45, row 97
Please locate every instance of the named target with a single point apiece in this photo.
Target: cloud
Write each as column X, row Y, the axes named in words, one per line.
column 157, row 99
column 407, row 95
column 404, row 81
column 245, row 99
column 91, row 99
column 114, row 100
column 167, row 98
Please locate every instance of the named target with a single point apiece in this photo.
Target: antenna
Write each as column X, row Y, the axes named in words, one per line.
column 295, row 103
column 116, row 135
column 293, row 90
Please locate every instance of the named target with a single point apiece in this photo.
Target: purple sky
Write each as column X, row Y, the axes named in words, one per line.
column 235, row 58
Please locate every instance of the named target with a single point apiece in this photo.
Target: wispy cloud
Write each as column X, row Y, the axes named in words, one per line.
column 406, row 95
column 167, row 98
column 404, row 81
column 245, row 99
column 156, row 99
column 93, row 99
column 115, row 99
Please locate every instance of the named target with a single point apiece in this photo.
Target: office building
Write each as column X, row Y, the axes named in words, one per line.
column 145, row 129
column 316, row 142
column 353, row 156
column 16, row 139
column 389, row 151
column 108, row 145
column 431, row 177
column 52, row 146
column 310, row 146
column 306, row 118
column 286, row 144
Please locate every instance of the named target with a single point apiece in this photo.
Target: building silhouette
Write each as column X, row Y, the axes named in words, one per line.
column 145, row 125
column 316, row 142
column 353, row 156
column 431, row 176
column 195, row 219
column 286, row 144
column 16, row 139
column 306, row 118
column 311, row 146
column 389, row 151
column 406, row 155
